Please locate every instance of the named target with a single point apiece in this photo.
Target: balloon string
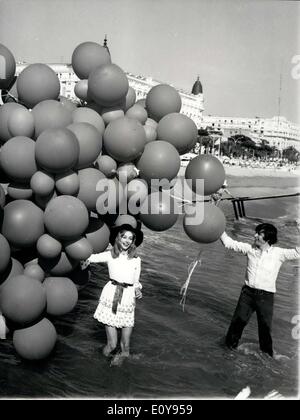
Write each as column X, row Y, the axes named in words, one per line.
column 191, row 268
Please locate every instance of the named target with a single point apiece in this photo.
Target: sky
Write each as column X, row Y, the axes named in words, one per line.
column 244, row 51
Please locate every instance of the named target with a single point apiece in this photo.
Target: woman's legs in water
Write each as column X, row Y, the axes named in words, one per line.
column 125, row 340
column 112, row 340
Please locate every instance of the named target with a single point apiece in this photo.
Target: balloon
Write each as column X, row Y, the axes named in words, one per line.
column 160, row 160
column 62, row 295
column 126, row 219
column 107, row 165
column 7, row 67
column 210, row 229
column 22, row 299
column 87, row 57
column 208, row 168
column 36, row 83
column 151, row 123
column 6, row 111
column 13, row 269
column 21, row 123
column 90, row 143
column 35, row 342
column 66, row 217
column 79, row 249
column 48, row 247
column 22, row 223
column 59, row 266
column 67, row 183
column 88, row 180
column 81, row 89
column 18, row 158
column 179, row 130
column 108, row 85
column 159, row 211
column 57, row 150
column 162, row 100
column 42, row 183
column 124, row 139
column 129, row 98
column 18, row 191
column 50, row 114
column 4, row 254
column 98, row 235
column 112, row 113
column 138, row 113
column 151, row 133
column 89, row 116
column 34, row 271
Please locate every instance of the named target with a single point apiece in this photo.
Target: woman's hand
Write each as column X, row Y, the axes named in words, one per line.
column 138, row 293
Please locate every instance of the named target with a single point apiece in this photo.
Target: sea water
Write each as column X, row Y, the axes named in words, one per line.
column 177, row 353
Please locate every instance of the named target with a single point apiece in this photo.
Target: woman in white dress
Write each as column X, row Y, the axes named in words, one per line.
column 116, row 308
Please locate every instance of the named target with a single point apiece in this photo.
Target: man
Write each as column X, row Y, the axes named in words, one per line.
column 257, row 295
column 216, row 197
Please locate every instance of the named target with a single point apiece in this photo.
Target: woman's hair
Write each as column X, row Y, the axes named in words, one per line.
column 269, row 231
column 116, row 250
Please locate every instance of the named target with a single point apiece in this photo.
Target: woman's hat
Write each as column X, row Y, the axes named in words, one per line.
column 139, row 236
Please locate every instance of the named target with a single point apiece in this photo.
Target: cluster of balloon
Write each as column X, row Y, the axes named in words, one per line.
column 54, row 155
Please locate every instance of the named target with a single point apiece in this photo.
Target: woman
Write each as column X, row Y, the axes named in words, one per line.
column 116, row 308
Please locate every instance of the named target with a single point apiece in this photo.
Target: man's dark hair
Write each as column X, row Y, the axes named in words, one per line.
column 269, row 231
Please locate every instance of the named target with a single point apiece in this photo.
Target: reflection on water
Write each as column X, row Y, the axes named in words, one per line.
column 174, row 353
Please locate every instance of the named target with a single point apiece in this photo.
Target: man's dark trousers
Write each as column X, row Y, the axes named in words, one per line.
column 253, row 300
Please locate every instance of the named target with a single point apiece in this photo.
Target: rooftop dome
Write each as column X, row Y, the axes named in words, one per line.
column 197, row 87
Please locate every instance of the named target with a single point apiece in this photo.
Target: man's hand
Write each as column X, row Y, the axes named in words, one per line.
column 138, row 293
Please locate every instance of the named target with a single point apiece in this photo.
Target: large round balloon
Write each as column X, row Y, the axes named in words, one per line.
column 14, row 268
column 57, row 150
column 90, row 116
column 87, row 57
column 126, row 219
column 107, row 165
column 7, row 67
column 159, row 211
column 59, row 266
column 6, row 111
column 36, row 83
column 62, row 295
column 48, row 247
column 124, row 139
column 204, row 223
column 89, row 189
column 18, row 158
column 23, row 223
column 66, row 217
column 207, row 168
column 98, row 235
column 22, row 299
column 160, row 160
column 179, row 130
column 4, row 254
column 35, row 342
column 67, row 183
column 21, row 123
column 162, row 100
column 79, row 249
column 138, row 113
column 42, row 183
column 108, row 84
column 90, row 143
column 50, row 114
